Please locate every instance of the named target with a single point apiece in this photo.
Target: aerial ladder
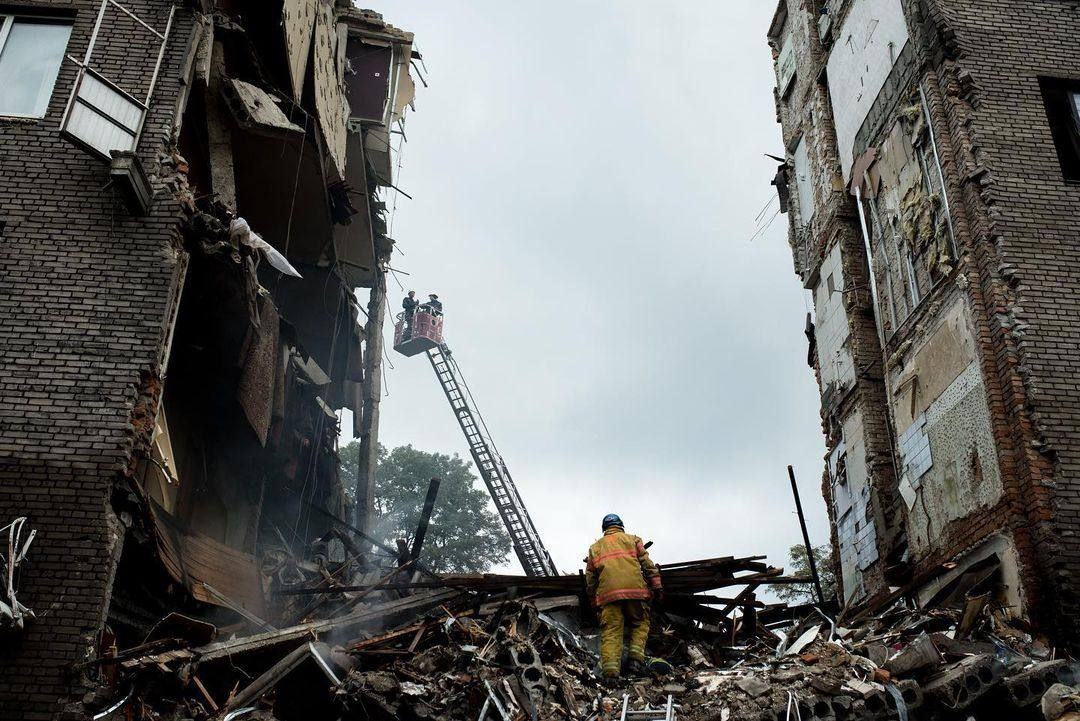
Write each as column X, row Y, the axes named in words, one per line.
column 424, row 335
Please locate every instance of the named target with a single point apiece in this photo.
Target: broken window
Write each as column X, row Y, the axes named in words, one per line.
column 107, row 109
column 910, row 227
column 31, row 50
column 368, row 86
column 1062, row 101
column 841, row 470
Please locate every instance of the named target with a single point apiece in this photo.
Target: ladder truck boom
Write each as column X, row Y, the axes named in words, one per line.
column 527, row 544
column 424, row 335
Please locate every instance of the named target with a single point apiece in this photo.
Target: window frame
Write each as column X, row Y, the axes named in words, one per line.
column 1059, row 96
column 7, row 21
column 85, row 69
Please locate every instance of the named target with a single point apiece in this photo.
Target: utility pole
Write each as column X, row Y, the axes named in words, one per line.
column 371, row 394
column 806, row 537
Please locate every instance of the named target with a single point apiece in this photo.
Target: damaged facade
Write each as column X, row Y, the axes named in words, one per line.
column 931, row 161
column 190, row 195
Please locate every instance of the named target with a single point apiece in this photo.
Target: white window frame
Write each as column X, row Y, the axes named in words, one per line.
column 785, row 67
column 85, row 69
column 7, row 20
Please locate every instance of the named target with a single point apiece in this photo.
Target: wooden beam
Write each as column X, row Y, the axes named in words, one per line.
column 371, row 395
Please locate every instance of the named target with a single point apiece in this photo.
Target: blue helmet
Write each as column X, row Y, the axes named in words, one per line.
column 610, row 520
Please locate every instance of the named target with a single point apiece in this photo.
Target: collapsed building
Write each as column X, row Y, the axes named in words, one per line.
column 191, row 193
column 929, row 181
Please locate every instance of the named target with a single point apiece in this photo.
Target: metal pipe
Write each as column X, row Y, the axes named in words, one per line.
column 941, row 175
column 806, row 537
column 870, row 266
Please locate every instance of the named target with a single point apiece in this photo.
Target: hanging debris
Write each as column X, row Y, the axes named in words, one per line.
column 13, row 614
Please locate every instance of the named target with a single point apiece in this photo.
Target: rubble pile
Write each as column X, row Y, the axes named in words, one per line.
column 900, row 664
column 510, row 661
column 406, row 644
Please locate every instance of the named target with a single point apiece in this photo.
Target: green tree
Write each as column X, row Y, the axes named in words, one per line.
column 464, row 536
column 804, row 592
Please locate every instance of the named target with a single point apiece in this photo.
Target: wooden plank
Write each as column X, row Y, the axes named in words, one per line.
column 205, row 694
column 195, row 560
column 416, row 639
column 740, row 599
column 346, row 624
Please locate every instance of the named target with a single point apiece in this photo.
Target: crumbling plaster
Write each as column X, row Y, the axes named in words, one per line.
column 851, row 491
column 833, row 331
column 872, row 36
column 901, row 176
column 828, row 257
column 1022, row 238
column 804, row 182
column 948, row 456
column 1009, row 240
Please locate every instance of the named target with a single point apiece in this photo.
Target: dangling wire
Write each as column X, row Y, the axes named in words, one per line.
column 16, row 553
column 793, row 703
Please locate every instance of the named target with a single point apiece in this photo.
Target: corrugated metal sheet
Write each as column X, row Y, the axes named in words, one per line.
column 194, row 560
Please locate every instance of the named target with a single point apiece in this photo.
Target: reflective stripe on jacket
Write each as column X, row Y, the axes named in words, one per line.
column 619, row 569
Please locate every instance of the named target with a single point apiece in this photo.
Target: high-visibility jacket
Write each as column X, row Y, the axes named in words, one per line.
column 619, row 569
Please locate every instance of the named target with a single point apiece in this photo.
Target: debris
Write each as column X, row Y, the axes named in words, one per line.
column 12, row 613
column 920, row 654
column 257, row 111
column 241, row 232
column 753, row 685
column 802, row 641
column 1060, row 702
column 509, row 648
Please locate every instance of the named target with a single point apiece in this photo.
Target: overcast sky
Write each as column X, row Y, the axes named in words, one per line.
column 585, row 180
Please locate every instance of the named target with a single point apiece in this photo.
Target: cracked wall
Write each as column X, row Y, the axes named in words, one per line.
column 833, row 331
column 91, row 294
column 867, row 45
column 830, row 260
column 948, row 454
column 852, row 508
column 1018, row 228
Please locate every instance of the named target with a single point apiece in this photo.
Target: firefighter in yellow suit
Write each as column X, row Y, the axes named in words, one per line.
column 622, row 580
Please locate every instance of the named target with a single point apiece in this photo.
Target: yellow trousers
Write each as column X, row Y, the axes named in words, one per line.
column 615, row 617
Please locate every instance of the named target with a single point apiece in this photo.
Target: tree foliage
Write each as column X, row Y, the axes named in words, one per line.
column 464, row 536
column 804, row 592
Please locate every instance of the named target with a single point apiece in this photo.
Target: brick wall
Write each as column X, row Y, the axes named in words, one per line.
column 85, row 294
column 806, row 112
column 1021, row 238
column 1014, row 223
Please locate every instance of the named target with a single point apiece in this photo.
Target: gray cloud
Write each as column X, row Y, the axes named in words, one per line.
column 586, row 177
